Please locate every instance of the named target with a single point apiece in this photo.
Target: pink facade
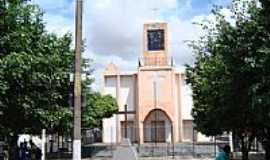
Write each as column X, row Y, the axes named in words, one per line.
column 156, row 92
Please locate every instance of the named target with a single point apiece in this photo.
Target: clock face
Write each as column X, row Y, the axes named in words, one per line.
column 155, row 40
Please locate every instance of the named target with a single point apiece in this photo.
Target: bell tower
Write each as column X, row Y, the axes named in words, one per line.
column 155, row 46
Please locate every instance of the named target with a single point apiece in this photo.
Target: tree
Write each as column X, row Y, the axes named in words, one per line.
column 263, row 88
column 35, row 76
column 98, row 107
column 34, row 73
column 230, row 75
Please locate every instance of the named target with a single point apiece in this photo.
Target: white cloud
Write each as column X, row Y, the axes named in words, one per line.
column 58, row 24
column 59, row 15
column 113, row 29
column 226, row 12
column 60, row 6
column 181, row 31
column 116, row 28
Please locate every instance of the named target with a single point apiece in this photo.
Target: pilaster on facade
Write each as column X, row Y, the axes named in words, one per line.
column 118, row 123
column 179, row 106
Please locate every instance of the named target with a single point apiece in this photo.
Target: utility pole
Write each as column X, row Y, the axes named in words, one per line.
column 77, row 83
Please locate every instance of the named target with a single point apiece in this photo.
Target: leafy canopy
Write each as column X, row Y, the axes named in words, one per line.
column 98, row 107
column 34, row 72
column 232, row 63
column 35, row 75
column 230, row 76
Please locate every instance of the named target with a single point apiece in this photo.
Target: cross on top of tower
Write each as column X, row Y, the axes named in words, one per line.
column 155, row 11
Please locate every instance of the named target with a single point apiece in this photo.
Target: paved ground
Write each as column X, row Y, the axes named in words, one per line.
column 175, row 158
column 183, row 151
column 153, row 150
column 152, row 158
column 167, row 158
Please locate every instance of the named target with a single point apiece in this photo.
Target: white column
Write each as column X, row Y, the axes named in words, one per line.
column 43, row 141
column 76, row 149
column 231, row 141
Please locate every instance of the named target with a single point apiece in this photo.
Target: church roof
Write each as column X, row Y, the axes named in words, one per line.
column 111, row 69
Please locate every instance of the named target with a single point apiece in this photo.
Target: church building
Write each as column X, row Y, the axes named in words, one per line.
column 154, row 101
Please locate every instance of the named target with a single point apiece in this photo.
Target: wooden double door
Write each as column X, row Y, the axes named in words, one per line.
column 158, row 131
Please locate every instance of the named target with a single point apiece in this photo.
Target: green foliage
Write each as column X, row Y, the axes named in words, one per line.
column 34, row 73
column 230, row 77
column 98, row 107
column 20, row 24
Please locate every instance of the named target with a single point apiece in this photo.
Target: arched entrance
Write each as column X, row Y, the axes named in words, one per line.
column 157, row 127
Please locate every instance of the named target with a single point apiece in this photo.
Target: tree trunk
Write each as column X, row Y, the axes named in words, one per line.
column 244, row 149
column 267, row 151
column 58, row 141
column 12, row 147
column 245, row 155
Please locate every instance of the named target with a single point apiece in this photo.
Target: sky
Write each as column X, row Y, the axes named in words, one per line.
column 112, row 29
